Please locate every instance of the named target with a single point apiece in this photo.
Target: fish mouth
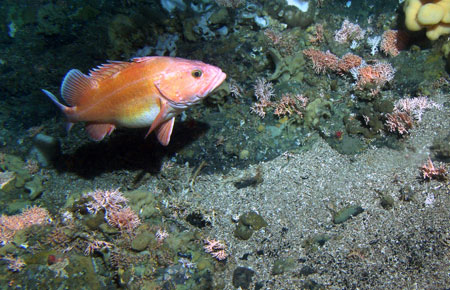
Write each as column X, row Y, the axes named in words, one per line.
column 215, row 82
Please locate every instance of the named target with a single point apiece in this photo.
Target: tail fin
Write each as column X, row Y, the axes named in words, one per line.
column 74, row 86
column 55, row 100
column 63, row 108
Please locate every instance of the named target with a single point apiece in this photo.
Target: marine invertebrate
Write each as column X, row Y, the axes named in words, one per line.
column 349, row 32
column 406, row 110
column 400, row 122
column 285, row 42
column 317, row 35
column 96, row 245
column 433, row 15
column 35, row 215
column 124, row 219
column 415, row 106
column 216, row 248
column 347, row 62
column 263, row 92
column 32, row 166
column 108, row 200
column 373, row 42
column 322, row 60
column 291, row 104
column 373, row 76
column 9, row 225
column 114, row 204
column 392, row 41
column 161, row 234
column 429, row 171
column 14, row 264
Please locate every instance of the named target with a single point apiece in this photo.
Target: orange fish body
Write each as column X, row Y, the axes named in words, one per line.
column 148, row 91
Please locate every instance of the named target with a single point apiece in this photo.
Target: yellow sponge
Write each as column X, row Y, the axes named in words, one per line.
column 434, row 15
column 430, row 14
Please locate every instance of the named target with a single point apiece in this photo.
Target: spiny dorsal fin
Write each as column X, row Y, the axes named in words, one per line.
column 144, row 58
column 74, row 85
column 105, row 71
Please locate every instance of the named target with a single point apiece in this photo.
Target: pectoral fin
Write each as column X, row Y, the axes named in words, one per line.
column 162, row 125
column 165, row 131
column 98, row 131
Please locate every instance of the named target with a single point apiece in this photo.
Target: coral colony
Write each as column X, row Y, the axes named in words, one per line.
column 113, row 203
column 373, row 76
column 161, row 235
column 369, row 77
column 217, row 249
column 263, row 92
column 406, row 111
column 14, row 264
column 349, row 32
column 10, row 225
column 287, row 105
column 429, row 171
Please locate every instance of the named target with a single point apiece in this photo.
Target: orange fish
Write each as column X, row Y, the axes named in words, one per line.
column 148, row 91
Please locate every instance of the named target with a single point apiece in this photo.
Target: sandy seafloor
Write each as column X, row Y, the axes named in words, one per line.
column 405, row 247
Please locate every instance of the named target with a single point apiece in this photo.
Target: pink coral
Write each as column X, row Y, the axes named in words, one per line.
column 291, row 104
column 322, row 60
column 282, row 40
column 216, row 248
column 96, row 245
column 35, row 216
column 109, row 200
column 392, row 41
column 124, row 219
column 400, row 122
column 317, row 36
column 14, row 264
column 347, row 62
column 429, row 171
column 415, row 106
column 117, row 214
column 263, row 92
column 161, row 235
column 220, row 255
column 349, row 32
column 273, row 35
column 407, row 110
column 10, row 224
column 373, row 76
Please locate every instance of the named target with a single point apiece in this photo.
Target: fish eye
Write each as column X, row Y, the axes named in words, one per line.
column 196, row 73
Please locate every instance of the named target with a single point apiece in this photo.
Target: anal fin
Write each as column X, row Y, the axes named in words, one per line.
column 164, row 132
column 98, row 131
